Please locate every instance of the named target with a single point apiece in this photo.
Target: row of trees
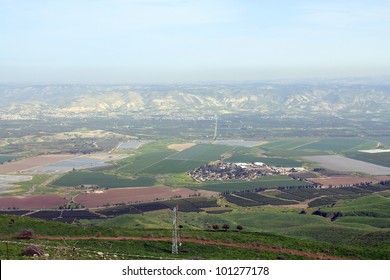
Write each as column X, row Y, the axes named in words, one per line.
column 226, row 227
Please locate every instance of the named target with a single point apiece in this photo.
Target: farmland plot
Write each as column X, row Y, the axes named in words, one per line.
column 339, row 163
column 77, row 178
column 172, row 166
column 7, row 181
column 32, row 201
column 202, row 152
column 133, row 195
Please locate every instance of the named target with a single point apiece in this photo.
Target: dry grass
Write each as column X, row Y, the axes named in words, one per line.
column 181, row 147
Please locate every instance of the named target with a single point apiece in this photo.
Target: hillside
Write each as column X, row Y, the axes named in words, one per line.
column 91, row 100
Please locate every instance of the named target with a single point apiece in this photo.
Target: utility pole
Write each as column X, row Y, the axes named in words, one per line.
column 175, row 249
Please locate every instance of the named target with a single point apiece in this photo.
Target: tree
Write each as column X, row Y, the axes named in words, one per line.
column 215, row 227
column 225, row 227
column 239, row 227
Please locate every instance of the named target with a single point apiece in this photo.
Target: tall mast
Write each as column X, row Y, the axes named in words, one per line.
column 175, row 249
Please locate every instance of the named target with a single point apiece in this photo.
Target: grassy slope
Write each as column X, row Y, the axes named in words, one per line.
column 162, row 249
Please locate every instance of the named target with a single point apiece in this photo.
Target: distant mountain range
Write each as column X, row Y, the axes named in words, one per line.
column 90, row 100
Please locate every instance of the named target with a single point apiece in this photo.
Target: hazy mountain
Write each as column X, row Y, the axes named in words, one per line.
column 60, row 100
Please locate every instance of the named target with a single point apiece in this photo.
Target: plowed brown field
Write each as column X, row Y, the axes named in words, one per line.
column 32, row 201
column 20, row 165
column 133, row 195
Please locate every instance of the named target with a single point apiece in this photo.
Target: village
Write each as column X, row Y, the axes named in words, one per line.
column 224, row 171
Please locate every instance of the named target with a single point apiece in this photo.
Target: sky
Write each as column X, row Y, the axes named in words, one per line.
column 141, row 41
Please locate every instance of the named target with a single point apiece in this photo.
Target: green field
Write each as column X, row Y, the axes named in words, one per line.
column 340, row 144
column 172, row 166
column 267, row 182
column 375, row 158
column 295, row 153
column 290, row 144
column 374, row 205
column 202, row 152
column 76, row 178
column 6, row 158
column 302, row 147
column 141, row 162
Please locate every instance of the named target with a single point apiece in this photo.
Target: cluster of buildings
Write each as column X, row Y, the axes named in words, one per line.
column 224, row 171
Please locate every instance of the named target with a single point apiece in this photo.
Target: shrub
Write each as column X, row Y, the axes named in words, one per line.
column 33, row 250
column 25, row 234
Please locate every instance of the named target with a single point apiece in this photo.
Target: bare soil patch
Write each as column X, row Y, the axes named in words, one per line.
column 382, row 178
column 32, row 201
column 342, row 181
column 133, row 195
column 181, row 147
column 20, row 165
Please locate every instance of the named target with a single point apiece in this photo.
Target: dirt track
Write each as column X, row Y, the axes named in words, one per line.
column 193, row 240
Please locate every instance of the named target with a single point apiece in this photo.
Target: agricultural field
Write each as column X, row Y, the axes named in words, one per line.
column 382, row 159
column 181, row 147
column 289, row 144
column 64, row 216
column 184, row 205
column 8, row 181
column 138, row 163
column 239, row 143
column 343, row 164
column 172, row 166
column 202, row 152
column 132, row 144
column 20, row 165
column 307, row 147
column 339, row 145
column 343, row 181
column 255, row 199
column 82, row 162
column 368, row 206
column 134, row 195
column 267, row 182
column 32, row 201
column 77, row 178
column 7, row 158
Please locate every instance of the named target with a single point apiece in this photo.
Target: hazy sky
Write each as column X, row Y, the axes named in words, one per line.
column 111, row 41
